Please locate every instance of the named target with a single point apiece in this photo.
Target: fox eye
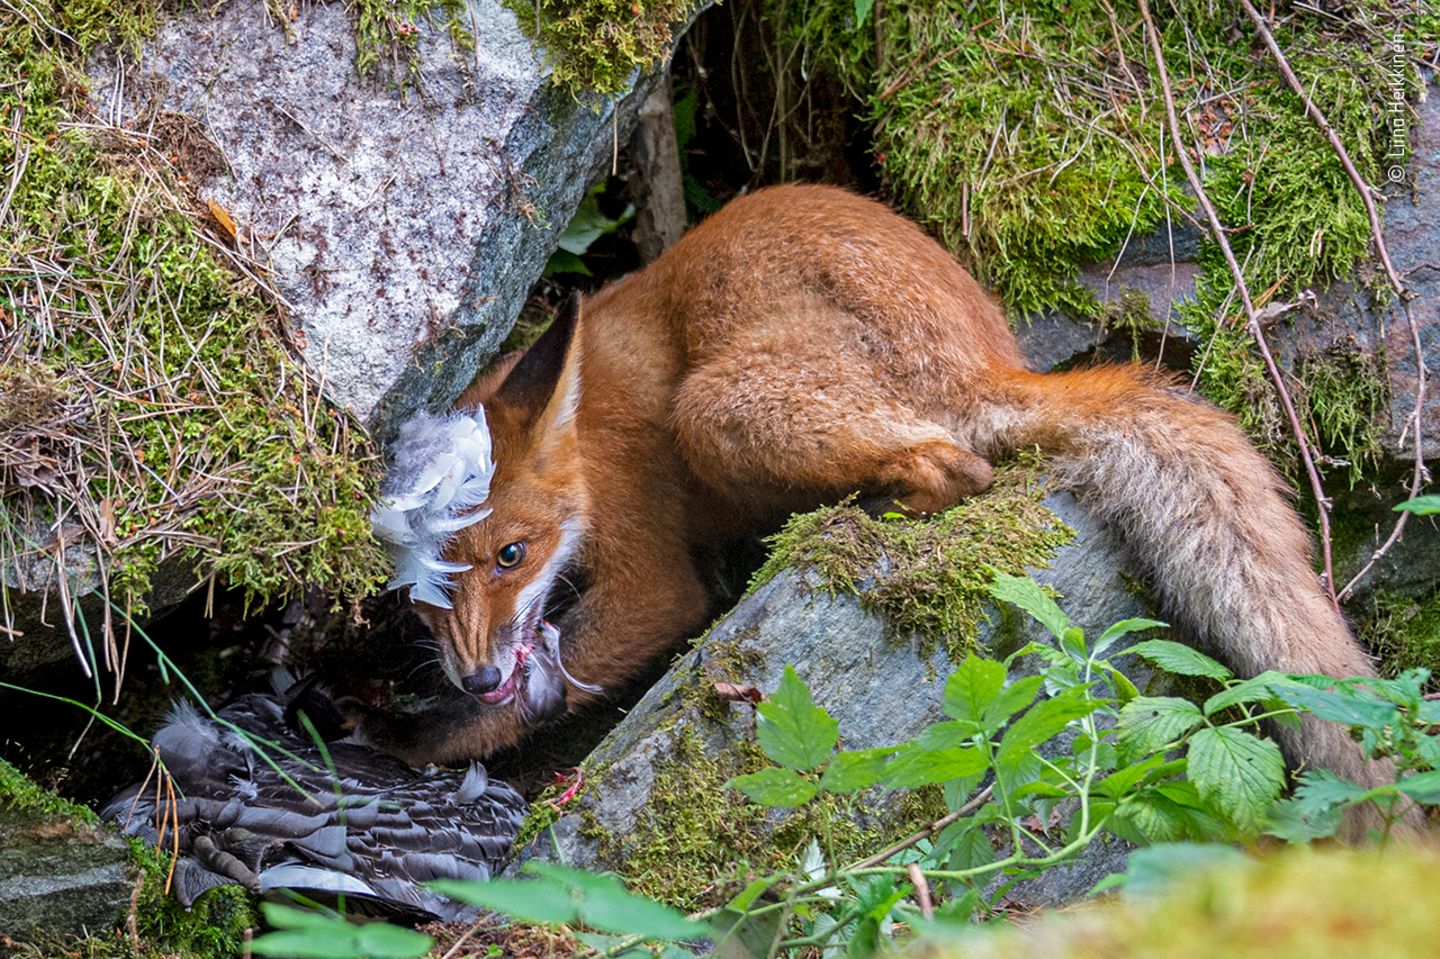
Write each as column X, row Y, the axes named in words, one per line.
column 510, row 556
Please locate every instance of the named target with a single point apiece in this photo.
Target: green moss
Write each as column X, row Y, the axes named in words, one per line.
column 696, row 842
column 995, row 126
column 176, row 421
column 214, row 926
column 1340, row 394
column 386, row 32
column 18, row 791
column 928, row 578
column 725, row 661
column 1129, row 313
column 597, row 45
column 1404, row 632
column 1348, row 398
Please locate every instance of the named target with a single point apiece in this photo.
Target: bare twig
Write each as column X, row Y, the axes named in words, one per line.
column 1377, row 235
column 454, row 950
column 1217, row 230
column 922, row 890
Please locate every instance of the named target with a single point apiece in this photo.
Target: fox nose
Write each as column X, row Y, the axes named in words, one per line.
column 485, row 681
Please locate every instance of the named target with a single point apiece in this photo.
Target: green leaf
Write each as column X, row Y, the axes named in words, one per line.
column 606, row 904
column 1124, row 628
column 377, row 940
column 1148, row 817
column 1043, row 721
column 306, row 944
column 1293, row 822
column 1317, row 808
column 1122, row 780
column 1039, row 789
column 1422, row 787
column 563, row 261
column 912, row 766
column 774, row 786
column 1257, row 689
column 862, row 12
column 1147, row 724
column 589, row 224
column 864, row 941
column 792, row 730
column 1320, row 788
column 1238, row 773
column 973, row 688
column 529, row 900
column 1124, row 689
column 1024, row 592
column 965, row 844
column 1179, row 659
column 282, row 916
column 1340, row 705
column 750, row 893
column 1162, row 867
column 943, row 735
column 1427, row 505
column 1014, row 698
column 1169, row 811
column 856, row 769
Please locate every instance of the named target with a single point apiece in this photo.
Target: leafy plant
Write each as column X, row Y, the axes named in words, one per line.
column 556, row 895
column 325, row 934
column 1094, row 756
column 1391, row 719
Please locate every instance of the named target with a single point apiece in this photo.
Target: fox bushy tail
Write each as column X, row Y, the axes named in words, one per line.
column 1205, row 516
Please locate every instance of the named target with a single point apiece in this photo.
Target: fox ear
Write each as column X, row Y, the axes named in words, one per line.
column 547, row 378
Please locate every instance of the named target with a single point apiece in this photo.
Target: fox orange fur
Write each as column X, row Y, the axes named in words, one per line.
column 802, row 344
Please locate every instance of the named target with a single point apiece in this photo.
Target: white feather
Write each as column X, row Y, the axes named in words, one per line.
column 440, row 472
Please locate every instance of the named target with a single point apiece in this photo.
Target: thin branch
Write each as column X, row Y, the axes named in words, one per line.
column 925, row 832
column 1377, row 234
column 1252, row 319
column 922, row 891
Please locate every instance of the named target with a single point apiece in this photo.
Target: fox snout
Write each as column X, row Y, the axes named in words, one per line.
column 486, row 680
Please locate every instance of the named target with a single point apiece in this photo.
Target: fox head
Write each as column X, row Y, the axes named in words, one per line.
column 494, row 641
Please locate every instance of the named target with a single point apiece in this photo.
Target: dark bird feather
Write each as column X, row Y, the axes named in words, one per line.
column 372, row 830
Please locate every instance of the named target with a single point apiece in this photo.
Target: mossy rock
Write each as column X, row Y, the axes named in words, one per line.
column 845, row 604
column 71, row 887
column 168, row 397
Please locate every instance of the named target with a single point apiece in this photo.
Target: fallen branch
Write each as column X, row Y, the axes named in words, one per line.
column 1252, row 318
column 1377, row 234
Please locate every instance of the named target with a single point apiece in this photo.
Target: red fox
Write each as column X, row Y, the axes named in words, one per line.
column 800, row 345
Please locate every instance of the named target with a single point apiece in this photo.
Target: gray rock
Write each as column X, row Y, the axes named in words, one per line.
column 60, row 876
column 403, row 229
column 881, row 691
column 1412, row 234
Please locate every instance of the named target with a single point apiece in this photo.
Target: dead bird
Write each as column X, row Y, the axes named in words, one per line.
column 268, row 809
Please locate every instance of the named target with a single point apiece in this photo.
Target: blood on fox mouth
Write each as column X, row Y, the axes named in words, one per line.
column 506, row 690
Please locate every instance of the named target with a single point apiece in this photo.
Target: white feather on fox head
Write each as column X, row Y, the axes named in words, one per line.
column 440, row 472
